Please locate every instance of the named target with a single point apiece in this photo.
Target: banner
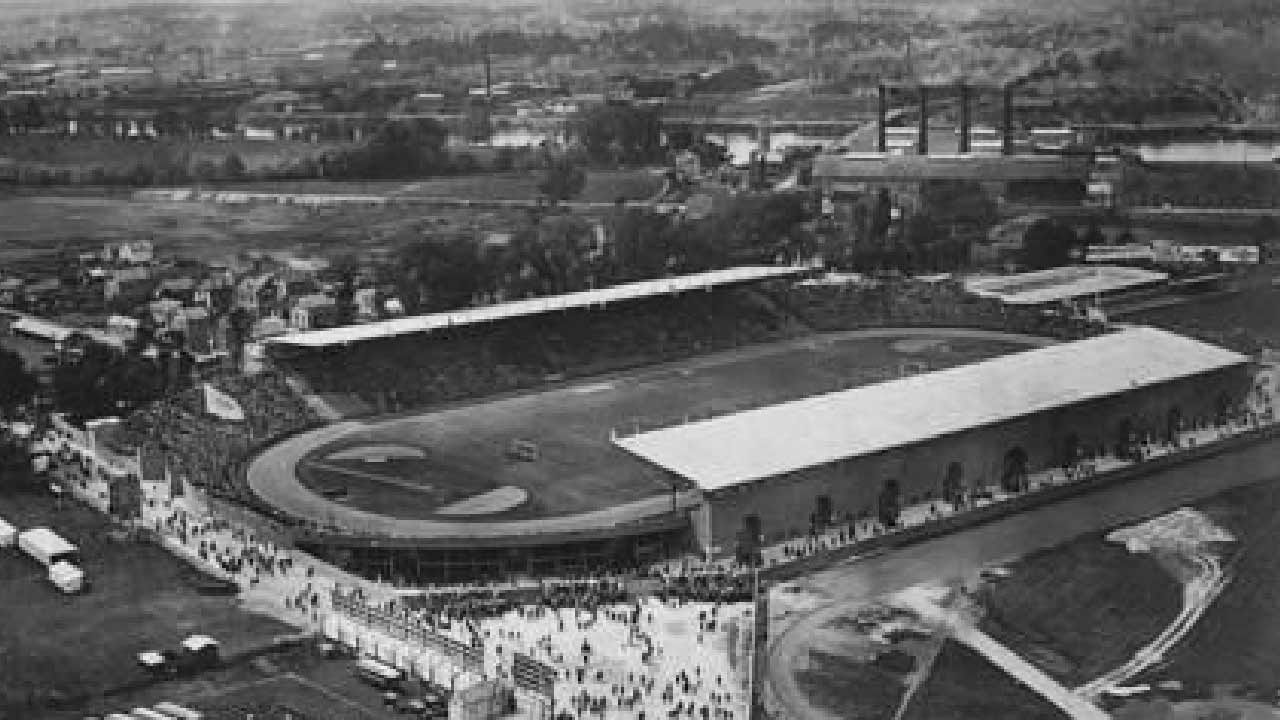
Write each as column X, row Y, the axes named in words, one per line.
column 221, row 405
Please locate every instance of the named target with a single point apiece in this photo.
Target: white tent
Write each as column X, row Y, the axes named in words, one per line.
column 198, row 643
column 8, row 534
column 45, row 545
column 67, row 577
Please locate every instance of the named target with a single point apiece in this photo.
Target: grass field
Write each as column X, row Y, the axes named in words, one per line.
column 293, row 680
column 79, row 219
column 37, row 225
column 964, row 686
column 1252, row 310
column 140, row 598
column 580, row 469
column 849, row 688
column 602, row 186
column 1238, row 638
column 1082, row 608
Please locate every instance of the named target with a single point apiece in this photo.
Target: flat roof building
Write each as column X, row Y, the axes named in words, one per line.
column 1065, row 283
column 771, row 468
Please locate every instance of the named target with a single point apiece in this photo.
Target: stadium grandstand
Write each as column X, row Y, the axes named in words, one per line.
column 764, row 471
column 468, row 353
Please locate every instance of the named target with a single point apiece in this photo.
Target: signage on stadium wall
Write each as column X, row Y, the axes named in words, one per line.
column 1240, row 254
column 1120, row 253
column 469, row 658
column 534, row 676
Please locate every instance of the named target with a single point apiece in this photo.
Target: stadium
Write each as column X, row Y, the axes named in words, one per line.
column 722, row 421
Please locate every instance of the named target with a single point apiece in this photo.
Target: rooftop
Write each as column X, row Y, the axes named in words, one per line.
column 1061, row 283
column 778, row 439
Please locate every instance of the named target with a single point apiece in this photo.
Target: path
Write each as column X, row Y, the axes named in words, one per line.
column 1012, row 664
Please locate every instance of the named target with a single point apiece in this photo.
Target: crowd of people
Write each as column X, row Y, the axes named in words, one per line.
column 475, row 361
column 933, row 302
column 179, row 439
column 616, row 653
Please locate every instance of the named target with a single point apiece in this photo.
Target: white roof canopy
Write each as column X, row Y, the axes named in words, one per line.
column 778, row 439
column 533, row 306
column 1061, row 283
column 49, row 543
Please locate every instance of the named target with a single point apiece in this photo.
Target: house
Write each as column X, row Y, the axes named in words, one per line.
column 267, row 327
column 178, row 288
column 308, row 308
column 10, row 291
column 366, row 302
column 138, row 252
column 198, row 330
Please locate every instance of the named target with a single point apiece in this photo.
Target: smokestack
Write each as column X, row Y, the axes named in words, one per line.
column 488, row 74
column 882, row 140
column 1007, row 129
column 922, row 141
column 965, row 121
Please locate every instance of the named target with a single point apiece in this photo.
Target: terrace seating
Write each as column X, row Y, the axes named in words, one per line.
column 483, row 360
column 176, row 434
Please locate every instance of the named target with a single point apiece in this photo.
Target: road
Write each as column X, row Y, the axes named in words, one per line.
column 963, row 630
column 960, row 555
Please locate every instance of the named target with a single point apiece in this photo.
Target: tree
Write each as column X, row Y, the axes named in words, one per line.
column 1093, row 235
column 233, row 166
column 19, row 384
column 435, row 275
column 620, row 133
column 562, row 180
column 401, row 148
column 103, row 381
column 1046, row 244
column 889, row 504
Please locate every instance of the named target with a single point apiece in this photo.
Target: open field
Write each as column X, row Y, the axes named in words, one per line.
column 964, row 686
column 580, row 469
column 1238, row 638
column 602, row 186
column 140, row 598
column 294, row 679
column 37, row 225
column 1082, row 608
column 849, row 688
column 89, row 151
column 1250, row 310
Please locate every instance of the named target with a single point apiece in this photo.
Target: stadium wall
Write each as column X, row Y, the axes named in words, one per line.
column 785, row 504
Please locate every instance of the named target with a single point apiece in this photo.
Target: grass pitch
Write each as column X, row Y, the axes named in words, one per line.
column 963, row 685
column 1082, row 608
column 579, row 468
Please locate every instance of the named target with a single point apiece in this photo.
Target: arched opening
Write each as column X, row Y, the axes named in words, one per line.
column 1070, row 449
column 1124, row 437
column 953, row 484
column 1173, row 423
column 749, row 540
column 1013, row 476
column 1222, row 407
column 822, row 511
column 890, row 503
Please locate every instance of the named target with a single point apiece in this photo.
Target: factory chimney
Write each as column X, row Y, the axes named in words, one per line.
column 966, row 122
column 922, row 140
column 882, row 112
